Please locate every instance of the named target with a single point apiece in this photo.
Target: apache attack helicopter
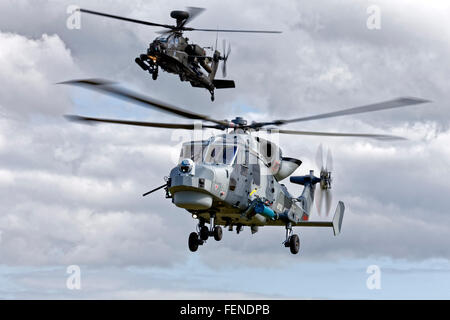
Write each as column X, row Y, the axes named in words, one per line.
column 174, row 54
column 234, row 179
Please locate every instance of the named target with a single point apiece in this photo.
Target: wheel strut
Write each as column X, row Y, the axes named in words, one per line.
column 288, row 234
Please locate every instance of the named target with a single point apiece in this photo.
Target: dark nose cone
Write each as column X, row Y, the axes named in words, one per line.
column 179, row 15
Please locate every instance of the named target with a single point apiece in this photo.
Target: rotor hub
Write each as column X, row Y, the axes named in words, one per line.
column 180, row 16
column 239, row 121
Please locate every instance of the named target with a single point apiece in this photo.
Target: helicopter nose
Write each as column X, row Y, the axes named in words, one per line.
column 192, row 200
column 194, row 186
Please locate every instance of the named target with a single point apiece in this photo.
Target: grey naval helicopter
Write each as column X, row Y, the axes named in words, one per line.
column 234, row 179
column 174, row 54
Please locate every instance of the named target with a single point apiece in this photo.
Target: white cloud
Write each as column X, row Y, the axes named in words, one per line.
column 28, row 70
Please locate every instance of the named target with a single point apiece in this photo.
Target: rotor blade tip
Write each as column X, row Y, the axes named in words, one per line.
column 414, row 100
column 94, row 82
column 78, row 119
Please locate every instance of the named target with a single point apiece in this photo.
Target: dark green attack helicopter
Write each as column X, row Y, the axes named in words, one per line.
column 173, row 53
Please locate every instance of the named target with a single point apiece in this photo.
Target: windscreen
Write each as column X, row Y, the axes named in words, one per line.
column 193, row 151
column 221, row 153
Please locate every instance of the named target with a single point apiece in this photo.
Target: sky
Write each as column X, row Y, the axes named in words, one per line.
column 70, row 194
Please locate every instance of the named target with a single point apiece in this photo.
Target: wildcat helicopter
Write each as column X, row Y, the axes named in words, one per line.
column 173, row 53
column 234, row 179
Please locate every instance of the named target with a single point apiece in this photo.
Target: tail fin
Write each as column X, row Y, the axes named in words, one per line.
column 336, row 224
column 338, row 217
column 214, row 65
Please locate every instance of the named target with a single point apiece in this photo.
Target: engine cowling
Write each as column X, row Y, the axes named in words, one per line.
column 287, row 167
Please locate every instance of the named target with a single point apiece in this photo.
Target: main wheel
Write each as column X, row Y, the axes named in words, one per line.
column 193, row 241
column 155, row 74
column 294, row 244
column 218, row 233
column 204, row 233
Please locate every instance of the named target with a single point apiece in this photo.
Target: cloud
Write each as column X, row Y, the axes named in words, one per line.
column 28, row 69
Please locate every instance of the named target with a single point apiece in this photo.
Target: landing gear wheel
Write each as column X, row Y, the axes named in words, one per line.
column 218, row 233
column 204, row 233
column 193, row 241
column 294, row 244
column 155, row 74
column 212, row 97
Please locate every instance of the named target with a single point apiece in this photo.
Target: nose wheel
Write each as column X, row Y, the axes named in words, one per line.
column 204, row 233
column 218, row 233
column 197, row 239
column 193, row 241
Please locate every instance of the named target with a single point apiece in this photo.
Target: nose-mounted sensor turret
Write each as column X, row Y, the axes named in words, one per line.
column 186, row 166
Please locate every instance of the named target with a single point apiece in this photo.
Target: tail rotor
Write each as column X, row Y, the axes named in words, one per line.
column 323, row 192
column 225, row 57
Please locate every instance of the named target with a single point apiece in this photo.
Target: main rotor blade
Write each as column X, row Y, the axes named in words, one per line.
column 336, row 134
column 319, row 200
column 138, row 123
column 231, row 30
column 396, row 103
column 105, row 87
column 328, row 200
column 128, row 19
column 194, row 12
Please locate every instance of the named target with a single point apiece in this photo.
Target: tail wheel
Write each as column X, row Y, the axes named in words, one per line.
column 155, row 74
column 204, row 233
column 294, row 244
column 193, row 241
column 218, row 233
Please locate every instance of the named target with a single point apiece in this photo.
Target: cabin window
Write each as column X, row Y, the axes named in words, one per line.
column 269, row 150
column 256, row 173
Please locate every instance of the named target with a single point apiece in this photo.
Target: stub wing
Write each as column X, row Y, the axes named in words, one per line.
column 223, row 84
column 336, row 223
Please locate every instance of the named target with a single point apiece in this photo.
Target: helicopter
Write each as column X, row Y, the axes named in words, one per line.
column 234, row 179
column 173, row 53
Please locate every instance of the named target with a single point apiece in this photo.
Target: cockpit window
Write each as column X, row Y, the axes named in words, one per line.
column 162, row 38
column 221, row 153
column 172, row 41
column 193, row 151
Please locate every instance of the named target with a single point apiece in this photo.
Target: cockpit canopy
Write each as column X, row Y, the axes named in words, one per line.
column 162, row 38
column 218, row 153
column 213, row 151
column 232, row 149
column 193, row 150
column 238, row 149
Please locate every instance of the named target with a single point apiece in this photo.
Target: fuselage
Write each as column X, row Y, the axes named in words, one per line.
column 223, row 174
column 175, row 55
